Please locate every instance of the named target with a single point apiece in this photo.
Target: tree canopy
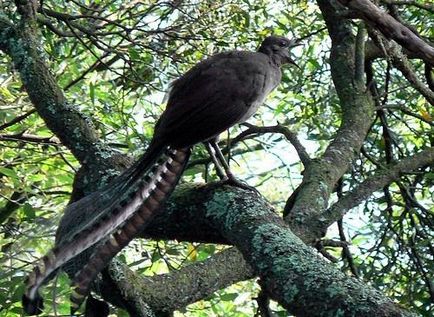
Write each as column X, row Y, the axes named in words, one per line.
column 342, row 154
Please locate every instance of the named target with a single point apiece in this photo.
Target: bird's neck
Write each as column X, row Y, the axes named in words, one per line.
column 276, row 60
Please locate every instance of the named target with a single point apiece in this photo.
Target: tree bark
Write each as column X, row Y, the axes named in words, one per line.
column 320, row 177
column 391, row 28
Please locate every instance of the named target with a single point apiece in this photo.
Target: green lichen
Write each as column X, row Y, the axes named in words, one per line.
column 291, row 292
column 270, row 240
column 339, row 313
column 219, row 204
column 108, row 175
column 334, row 290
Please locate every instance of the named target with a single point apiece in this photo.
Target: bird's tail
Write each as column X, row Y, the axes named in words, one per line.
column 161, row 185
column 113, row 206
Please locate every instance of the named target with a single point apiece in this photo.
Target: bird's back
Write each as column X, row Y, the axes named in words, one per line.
column 218, row 92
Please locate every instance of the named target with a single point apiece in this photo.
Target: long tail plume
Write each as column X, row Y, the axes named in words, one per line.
column 160, row 188
column 116, row 203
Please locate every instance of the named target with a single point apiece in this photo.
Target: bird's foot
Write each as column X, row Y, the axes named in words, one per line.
column 233, row 181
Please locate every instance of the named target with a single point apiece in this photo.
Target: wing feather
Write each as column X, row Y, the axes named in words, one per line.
column 200, row 107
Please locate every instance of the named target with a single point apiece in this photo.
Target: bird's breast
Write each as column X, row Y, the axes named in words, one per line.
column 262, row 87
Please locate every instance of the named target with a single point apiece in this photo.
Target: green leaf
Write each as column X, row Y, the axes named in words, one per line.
column 8, row 172
column 92, row 92
column 228, row 296
column 29, row 211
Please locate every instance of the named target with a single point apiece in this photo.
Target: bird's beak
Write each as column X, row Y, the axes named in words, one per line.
column 294, row 43
column 291, row 61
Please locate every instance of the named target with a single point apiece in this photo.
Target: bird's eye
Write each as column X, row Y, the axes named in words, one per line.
column 283, row 44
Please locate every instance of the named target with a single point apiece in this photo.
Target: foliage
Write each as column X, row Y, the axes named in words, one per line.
column 115, row 60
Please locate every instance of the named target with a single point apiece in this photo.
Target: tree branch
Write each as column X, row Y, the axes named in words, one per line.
column 288, row 134
column 391, row 28
column 292, row 273
column 194, row 282
column 425, row 6
column 17, row 119
column 73, row 129
column 305, row 211
column 378, row 180
column 401, row 62
column 231, row 214
column 289, row 269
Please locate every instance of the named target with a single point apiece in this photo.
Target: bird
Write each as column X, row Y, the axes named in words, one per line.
column 215, row 94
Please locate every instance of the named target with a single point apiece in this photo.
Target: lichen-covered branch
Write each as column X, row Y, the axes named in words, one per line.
column 168, row 292
column 75, row 131
column 194, row 206
column 292, row 272
column 305, row 211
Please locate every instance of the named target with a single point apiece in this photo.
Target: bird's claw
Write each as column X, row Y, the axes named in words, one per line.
column 233, row 181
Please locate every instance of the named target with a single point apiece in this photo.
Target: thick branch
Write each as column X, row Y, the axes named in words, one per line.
column 401, row 62
column 193, row 210
column 72, row 128
column 292, row 273
column 195, row 282
column 306, row 209
column 391, row 28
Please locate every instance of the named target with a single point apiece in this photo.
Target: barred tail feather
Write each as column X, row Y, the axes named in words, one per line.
column 33, row 306
column 108, row 219
column 160, row 188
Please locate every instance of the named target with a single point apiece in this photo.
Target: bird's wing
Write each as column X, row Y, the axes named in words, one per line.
column 214, row 95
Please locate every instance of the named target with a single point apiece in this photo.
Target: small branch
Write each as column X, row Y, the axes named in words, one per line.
column 410, row 113
column 380, row 179
column 91, row 68
column 263, row 304
column 29, row 138
column 288, row 134
column 52, row 28
column 12, row 204
column 429, row 76
column 359, row 61
column 346, row 253
column 17, row 119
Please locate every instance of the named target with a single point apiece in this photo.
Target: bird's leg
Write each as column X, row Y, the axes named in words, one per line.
column 220, row 161
column 218, row 167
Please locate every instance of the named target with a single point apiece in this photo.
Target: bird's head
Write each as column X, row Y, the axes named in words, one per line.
column 277, row 47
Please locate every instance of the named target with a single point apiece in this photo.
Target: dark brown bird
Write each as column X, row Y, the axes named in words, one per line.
column 215, row 94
